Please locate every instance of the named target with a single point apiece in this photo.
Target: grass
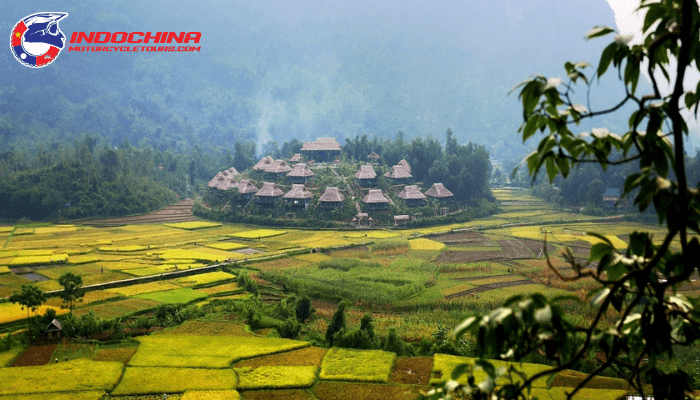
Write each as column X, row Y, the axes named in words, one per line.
column 457, row 289
column 119, row 308
column 73, row 351
column 258, row 233
column 10, row 312
column 181, row 295
column 276, row 377
column 190, row 225
column 133, row 290
column 75, row 375
column 205, row 351
column 122, row 355
column 91, row 395
column 357, row 365
column 9, row 356
column 158, row 380
column 425, row 244
column 211, row 395
column 312, row 258
column 308, row 356
column 203, row 279
column 365, row 391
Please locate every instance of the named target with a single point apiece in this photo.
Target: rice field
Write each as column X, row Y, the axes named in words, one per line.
column 191, row 225
column 258, row 233
column 357, row 365
column 425, row 244
column 159, row 380
column 10, row 312
column 211, row 395
column 181, row 295
column 276, row 377
column 205, row 351
column 75, row 375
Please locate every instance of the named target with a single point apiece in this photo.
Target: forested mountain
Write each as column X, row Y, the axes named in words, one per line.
column 280, row 70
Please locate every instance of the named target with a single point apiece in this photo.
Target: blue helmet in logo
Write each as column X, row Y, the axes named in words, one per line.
column 37, row 40
column 43, row 28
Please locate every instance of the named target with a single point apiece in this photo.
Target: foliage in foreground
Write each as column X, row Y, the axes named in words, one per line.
column 638, row 284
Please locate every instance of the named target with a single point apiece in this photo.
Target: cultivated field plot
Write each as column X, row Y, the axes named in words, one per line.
column 205, row 351
column 357, row 365
column 149, row 380
column 276, row 377
column 76, row 375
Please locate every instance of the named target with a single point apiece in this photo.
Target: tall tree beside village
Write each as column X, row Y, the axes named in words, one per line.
column 637, row 285
column 29, row 297
column 72, row 289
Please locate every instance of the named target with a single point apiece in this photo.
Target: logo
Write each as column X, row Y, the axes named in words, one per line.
column 37, row 40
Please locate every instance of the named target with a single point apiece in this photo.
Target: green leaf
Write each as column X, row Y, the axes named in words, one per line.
column 550, row 380
column 530, row 127
column 598, row 296
column 653, row 13
column 464, row 326
column 606, row 58
column 460, row 370
column 598, row 31
column 551, row 169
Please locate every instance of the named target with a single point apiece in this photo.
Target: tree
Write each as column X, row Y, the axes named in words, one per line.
column 637, row 285
column 337, row 322
column 72, row 289
column 303, row 309
column 30, row 297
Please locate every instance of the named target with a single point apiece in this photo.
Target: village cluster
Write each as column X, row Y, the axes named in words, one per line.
column 298, row 171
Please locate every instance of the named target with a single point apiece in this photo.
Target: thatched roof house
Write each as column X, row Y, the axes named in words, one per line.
column 404, row 163
column 374, row 156
column 322, row 150
column 264, row 162
column 54, row 330
column 231, row 172
column 412, row 195
column 375, row 200
column 268, row 193
column 222, row 182
column 331, row 198
column 439, row 191
column 366, row 176
column 399, row 174
column 295, row 158
column 277, row 169
column 298, row 196
column 300, row 174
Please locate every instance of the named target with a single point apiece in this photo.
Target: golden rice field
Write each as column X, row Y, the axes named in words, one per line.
column 205, row 351
column 74, row 375
column 10, row 312
column 357, row 365
column 211, row 395
column 193, row 225
column 258, row 233
column 425, row 244
column 158, row 380
column 276, row 377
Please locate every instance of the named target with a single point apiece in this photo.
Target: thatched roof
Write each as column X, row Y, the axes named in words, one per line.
column 264, row 162
column 332, row 195
column 231, row 172
column 321, row 144
column 398, row 172
column 411, row 192
column 375, row 196
column 278, row 167
column 269, row 189
column 245, row 186
column 222, row 182
column 438, row 190
column 401, row 217
column 298, row 191
column 366, row 172
column 54, row 326
column 374, row 156
column 301, row 170
column 404, row 163
column 295, row 158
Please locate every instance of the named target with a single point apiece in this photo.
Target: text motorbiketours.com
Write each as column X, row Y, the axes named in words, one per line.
column 131, row 49
column 124, row 40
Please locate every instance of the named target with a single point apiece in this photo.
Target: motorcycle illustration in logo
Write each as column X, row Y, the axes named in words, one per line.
column 37, row 40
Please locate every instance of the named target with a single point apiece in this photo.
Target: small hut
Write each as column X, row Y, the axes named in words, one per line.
column 267, row 195
column 439, row 192
column 300, row 173
column 54, row 330
column 401, row 219
column 277, row 169
column 331, row 198
column 412, row 196
column 366, row 176
column 399, row 174
column 247, row 191
column 298, row 196
column 374, row 157
column 361, row 219
column 222, row 181
column 231, row 173
column 295, row 158
column 264, row 162
column 375, row 200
